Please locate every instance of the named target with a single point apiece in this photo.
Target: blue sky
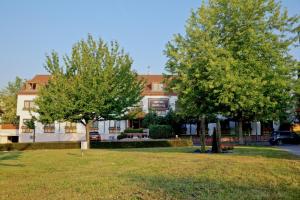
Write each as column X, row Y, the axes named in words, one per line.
column 30, row 29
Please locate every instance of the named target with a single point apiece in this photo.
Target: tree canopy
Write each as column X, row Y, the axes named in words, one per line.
column 95, row 82
column 234, row 60
column 8, row 101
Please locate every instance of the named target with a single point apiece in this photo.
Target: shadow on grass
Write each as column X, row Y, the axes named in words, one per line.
column 7, row 156
column 253, row 151
column 159, row 149
column 210, row 188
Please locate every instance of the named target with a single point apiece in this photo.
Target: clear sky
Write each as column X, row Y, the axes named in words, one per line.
column 30, row 29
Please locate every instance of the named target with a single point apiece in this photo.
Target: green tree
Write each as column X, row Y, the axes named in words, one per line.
column 95, row 82
column 31, row 125
column 150, row 118
column 8, row 101
column 234, row 60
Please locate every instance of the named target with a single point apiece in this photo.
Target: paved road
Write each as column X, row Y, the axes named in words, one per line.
column 294, row 149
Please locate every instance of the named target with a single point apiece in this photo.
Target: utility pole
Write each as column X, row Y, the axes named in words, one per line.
column 148, row 70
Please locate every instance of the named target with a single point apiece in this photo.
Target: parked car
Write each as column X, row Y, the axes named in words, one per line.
column 95, row 136
column 284, row 137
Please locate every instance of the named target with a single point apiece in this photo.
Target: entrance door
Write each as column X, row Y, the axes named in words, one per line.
column 136, row 123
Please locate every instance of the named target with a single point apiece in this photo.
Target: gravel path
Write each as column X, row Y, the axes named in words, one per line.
column 294, row 149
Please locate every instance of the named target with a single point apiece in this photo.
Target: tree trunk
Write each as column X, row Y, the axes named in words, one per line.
column 218, row 132
column 241, row 137
column 202, row 136
column 198, row 127
column 33, row 135
column 87, row 132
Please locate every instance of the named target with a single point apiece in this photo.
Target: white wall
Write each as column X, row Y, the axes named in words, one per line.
column 5, row 133
column 3, row 139
column 9, row 132
column 60, row 134
column 24, row 114
column 104, row 129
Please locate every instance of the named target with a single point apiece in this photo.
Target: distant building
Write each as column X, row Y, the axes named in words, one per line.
column 154, row 98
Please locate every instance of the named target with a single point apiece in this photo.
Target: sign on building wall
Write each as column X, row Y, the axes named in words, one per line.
column 158, row 104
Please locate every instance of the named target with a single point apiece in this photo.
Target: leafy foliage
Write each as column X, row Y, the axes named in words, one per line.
column 171, row 118
column 8, row 101
column 121, row 136
column 95, row 82
column 151, row 118
column 160, row 131
column 133, row 130
column 234, row 60
column 30, row 123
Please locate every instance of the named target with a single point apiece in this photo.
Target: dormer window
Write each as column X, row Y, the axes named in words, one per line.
column 157, row 87
column 32, row 86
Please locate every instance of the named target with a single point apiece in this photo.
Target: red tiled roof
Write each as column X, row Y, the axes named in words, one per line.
column 39, row 79
column 149, row 79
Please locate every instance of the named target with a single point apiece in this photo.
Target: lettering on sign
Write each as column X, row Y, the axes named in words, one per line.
column 159, row 104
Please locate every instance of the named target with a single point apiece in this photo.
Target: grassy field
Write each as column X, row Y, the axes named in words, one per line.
column 154, row 173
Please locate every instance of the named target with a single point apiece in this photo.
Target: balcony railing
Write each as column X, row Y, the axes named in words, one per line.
column 49, row 129
column 70, row 129
column 25, row 129
column 113, row 130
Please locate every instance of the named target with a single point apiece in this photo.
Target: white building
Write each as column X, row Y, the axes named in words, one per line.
column 154, row 98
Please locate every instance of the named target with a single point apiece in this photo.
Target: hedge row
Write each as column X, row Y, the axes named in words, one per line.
column 140, row 144
column 39, row 145
column 160, row 131
column 95, row 145
column 133, row 130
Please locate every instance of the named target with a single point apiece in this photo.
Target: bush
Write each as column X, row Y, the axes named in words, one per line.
column 160, row 131
column 150, row 119
column 121, row 136
column 133, row 130
column 227, row 147
column 141, row 144
column 171, row 118
column 39, row 145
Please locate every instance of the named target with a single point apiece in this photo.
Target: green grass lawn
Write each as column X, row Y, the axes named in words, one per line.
column 154, row 173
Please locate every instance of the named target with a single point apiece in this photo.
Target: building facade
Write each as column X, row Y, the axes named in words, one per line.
column 154, row 98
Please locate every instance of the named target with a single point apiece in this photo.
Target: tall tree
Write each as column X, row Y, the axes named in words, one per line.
column 8, row 101
column 95, row 82
column 234, row 60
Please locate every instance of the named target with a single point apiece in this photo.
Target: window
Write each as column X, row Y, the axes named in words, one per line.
column 161, row 113
column 24, row 128
column 32, row 86
column 28, row 105
column 94, row 126
column 49, row 128
column 114, row 126
column 157, row 87
column 70, row 127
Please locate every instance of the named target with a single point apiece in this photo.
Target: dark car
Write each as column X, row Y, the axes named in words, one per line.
column 95, row 136
column 284, row 137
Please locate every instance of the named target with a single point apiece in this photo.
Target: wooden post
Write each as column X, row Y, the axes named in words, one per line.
column 218, row 132
column 241, row 137
column 87, row 132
